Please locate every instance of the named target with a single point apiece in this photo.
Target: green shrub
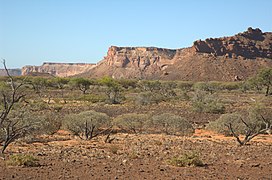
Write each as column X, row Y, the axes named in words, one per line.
column 147, row 98
column 38, row 105
column 185, row 85
column 205, row 102
column 188, row 159
column 230, row 86
column 128, row 83
column 220, row 124
column 172, row 124
column 131, row 122
column 87, row 124
column 211, row 86
column 254, row 120
column 92, row 98
column 23, row 160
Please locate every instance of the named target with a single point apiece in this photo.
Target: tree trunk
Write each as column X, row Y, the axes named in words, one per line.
column 267, row 90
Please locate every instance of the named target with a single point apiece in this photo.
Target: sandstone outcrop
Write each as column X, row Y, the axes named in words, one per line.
column 250, row 44
column 58, row 69
column 222, row 58
column 212, row 59
column 12, row 72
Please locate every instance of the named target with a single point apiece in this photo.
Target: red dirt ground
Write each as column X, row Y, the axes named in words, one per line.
column 142, row 157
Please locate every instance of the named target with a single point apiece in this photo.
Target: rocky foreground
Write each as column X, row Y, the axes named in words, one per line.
column 142, row 157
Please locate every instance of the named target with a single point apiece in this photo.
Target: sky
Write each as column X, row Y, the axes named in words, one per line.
column 37, row 31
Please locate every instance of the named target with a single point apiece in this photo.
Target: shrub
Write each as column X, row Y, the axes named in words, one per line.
column 185, row 85
column 92, row 98
column 211, row 86
column 23, row 160
column 128, row 83
column 188, row 159
column 172, row 124
column 131, row 122
column 220, row 124
column 230, row 86
column 114, row 149
column 204, row 102
column 255, row 123
column 147, row 98
column 87, row 124
column 244, row 86
column 167, row 89
column 149, row 85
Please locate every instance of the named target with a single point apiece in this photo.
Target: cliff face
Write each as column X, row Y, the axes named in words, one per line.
column 58, row 69
column 139, row 57
column 250, row 44
column 134, row 62
column 12, row 72
column 212, row 59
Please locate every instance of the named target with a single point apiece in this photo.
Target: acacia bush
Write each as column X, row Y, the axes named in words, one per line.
column 171, row 124
column 258, row 120
column 220, row 124
column 87, row 124
column 25, row 124
column 113, row 90
column 205, row 102
column 132, row 122
column 147, row 98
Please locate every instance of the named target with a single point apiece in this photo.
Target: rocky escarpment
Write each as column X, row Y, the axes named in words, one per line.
column 12, row 72
column 58, row 69
column 139, row 57
column 212, row 59
column 137, row 62
column 250, row 44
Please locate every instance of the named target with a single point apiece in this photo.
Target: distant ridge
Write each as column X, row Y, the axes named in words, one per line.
column 218, row 59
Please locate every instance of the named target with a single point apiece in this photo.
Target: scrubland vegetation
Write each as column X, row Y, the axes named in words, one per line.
column 92, row 109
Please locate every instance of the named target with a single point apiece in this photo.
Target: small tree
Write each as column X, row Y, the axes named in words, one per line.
column 131, row 122
column 81, row 83
column 11, row 95
column 24, row 123
column 262, row 79
column 87, row 124
column 265, row 79
column 17, row 120
column 39, row 84
column 172, row 124
column 113, row 90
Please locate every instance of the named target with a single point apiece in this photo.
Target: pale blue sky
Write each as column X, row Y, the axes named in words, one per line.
column 34, row 31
